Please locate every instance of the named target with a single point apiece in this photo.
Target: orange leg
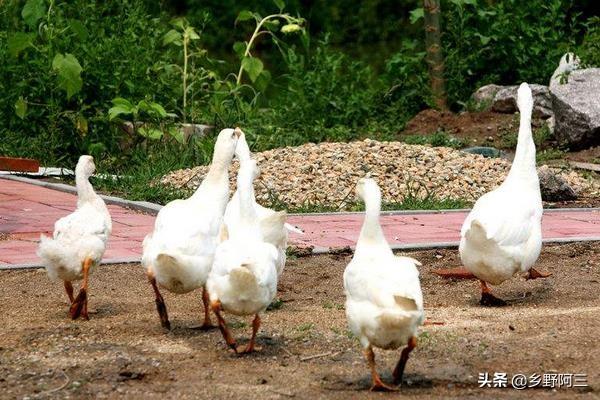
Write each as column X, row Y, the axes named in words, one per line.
column 399, row 370
column 378, row 385
column 69, row 290
column 161, row 308
column 251, row 345
column 535, row 274
column 79, row 305
column 488, row 299
column 216, row 307
column 205, row 301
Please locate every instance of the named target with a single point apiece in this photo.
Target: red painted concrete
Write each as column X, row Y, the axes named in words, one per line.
column 27, row 210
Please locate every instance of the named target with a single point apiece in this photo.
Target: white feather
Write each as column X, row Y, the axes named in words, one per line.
column 81, row 234
column 502, row 234
column 384, row 303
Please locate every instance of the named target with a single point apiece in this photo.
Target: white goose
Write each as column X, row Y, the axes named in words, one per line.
column 273, row 227
column 502, row 235
column 79, row 239
column 179, row 253
column 243, row 280
column 384, row 303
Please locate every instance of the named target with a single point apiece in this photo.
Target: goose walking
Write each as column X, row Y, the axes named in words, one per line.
column 243, row 280
column 178, row 254
column 384, row 303
column 272, row 223
column 502, row 235
column 79, row 239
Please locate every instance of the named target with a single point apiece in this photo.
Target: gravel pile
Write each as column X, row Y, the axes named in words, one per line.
column 326, row 173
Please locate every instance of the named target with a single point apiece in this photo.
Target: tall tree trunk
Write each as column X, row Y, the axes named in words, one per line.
column 433, row 45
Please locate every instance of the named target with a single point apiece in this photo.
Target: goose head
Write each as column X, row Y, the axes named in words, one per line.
column 368, row 191
column 85, row 166
column 242, row 151
column 524, row 98
column 225, row 145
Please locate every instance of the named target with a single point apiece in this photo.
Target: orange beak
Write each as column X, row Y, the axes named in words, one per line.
column 237, row 131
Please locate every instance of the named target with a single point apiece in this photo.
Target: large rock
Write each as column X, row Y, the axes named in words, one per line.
column 554, row 187
column 505, row 101
column 576, row 106
column 484, row 96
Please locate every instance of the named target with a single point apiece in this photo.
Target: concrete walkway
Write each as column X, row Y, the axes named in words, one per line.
column 27, row 210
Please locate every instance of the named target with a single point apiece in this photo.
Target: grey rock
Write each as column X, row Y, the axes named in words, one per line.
column 484, row 96
column 576, row 105
column 196, row 130
column 553, row 186
column 505, row 101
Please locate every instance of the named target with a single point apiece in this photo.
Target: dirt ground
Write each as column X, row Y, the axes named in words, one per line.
column 476, row 128
column 551, row 325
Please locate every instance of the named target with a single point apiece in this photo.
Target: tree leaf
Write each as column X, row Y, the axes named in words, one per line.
column 33, row 11
column 21, row 108
column 119, row 101
column 69, row 73
column 116, row 111
column 272, row 25
column 81, row 124
column 280, row 4
column 172, row 37
column 253, row 66
column 417, row 14
column 263, row 80
column 244, row 15
column 239, row 48
column 177, row 133
column 150, row 133
column 79, row 29
column 191, row 33
column 19, row 42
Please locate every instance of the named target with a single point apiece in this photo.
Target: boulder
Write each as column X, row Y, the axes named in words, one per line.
column 484, row 96
column 576, row 105
column 553, row 186
column 505, row 101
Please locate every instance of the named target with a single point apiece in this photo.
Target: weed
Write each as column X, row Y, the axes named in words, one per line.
column 305, row 327
column 275, row 305
column 549, row 154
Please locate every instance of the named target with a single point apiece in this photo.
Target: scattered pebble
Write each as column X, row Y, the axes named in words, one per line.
column 325, row 174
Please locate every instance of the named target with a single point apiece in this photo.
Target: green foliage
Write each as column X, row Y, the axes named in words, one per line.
column 589, row 51
column 437, row 139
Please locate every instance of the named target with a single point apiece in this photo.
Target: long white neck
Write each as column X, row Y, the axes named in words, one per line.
column 217, row 176
column 371, row 235
column 524, row 165
column 85, row 191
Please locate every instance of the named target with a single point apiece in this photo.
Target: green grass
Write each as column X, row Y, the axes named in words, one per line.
column 549, row 154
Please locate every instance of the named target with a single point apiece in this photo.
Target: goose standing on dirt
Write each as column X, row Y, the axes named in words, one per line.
column 243, row 280
column 384, row 303
column 178, row 254
column 502, row 235
column 273, row 227
column 79, row 239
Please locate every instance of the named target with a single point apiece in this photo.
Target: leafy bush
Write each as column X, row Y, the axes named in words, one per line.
column 589, row 51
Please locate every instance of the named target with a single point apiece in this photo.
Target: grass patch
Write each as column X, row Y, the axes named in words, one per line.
column 275, row 305
column 549, row 154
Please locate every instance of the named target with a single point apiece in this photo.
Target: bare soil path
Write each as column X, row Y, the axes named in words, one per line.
column 551, row 326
